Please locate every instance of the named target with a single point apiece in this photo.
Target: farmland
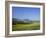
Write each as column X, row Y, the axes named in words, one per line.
column 35, row 25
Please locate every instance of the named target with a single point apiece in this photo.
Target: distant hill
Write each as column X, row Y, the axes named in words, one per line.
column 15, row 20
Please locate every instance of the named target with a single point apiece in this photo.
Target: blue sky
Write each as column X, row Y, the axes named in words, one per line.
column 26, row 13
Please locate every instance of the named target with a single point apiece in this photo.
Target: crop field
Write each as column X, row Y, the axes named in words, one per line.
column 21, row 27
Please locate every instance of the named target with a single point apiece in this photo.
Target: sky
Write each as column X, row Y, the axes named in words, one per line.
column 26, row 13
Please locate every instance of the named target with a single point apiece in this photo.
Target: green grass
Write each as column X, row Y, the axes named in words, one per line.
column 20, row 27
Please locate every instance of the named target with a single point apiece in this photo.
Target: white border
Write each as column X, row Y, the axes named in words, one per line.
column 24, row 32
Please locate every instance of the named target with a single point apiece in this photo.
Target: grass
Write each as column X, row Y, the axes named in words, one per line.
column 20, row 27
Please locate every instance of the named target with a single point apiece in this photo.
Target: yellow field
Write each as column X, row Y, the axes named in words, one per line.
column 20, row 27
